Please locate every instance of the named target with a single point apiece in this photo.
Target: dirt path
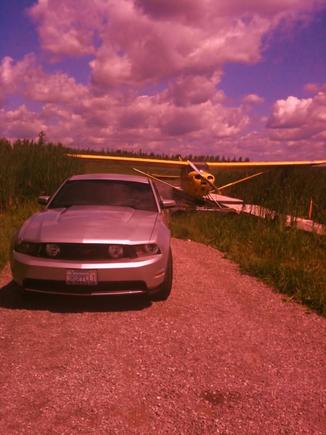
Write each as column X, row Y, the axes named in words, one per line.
column 223, row 355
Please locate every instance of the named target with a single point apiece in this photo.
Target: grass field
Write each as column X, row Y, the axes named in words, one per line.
column 29, row 169
column 288, row 191
column 10, row 221
column 292, row 261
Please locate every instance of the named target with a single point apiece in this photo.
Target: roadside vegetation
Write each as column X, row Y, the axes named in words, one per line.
column 291, row 260
column 29, row 169
column 288, row 191
column 10, row 221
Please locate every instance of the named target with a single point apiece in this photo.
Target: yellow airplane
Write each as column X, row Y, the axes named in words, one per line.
column 197, row 182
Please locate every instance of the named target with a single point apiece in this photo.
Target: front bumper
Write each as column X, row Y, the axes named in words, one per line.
column 43, row 275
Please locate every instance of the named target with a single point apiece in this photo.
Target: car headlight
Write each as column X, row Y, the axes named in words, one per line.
column 124, row 251
column 28, row 248
column 147, row 250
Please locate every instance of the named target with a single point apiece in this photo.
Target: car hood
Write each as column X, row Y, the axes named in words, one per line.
column 89, row 224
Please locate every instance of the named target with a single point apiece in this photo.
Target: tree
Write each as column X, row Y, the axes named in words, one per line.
column 41, row 138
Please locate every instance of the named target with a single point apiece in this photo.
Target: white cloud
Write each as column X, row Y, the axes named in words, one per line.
column 27, row 77
column 252, row 99
column 299, row 119
column 20, row 123
column 289, row 113
column 136, row 41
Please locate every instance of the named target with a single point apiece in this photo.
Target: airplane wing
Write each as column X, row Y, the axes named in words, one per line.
column 135, row 160
column 280, row 164
column 181, row 163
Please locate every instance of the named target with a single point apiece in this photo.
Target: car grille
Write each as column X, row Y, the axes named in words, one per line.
column 86, row 251
column 48, row 286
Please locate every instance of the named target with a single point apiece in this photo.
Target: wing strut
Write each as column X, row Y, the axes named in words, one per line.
column 240, row 181
column 156, row 179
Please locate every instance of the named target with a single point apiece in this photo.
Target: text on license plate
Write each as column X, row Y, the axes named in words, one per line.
column 81, row 277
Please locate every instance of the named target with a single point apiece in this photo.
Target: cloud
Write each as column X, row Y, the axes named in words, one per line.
column 65, row 29
column 138, row 49
column 156, row 68
column 289, row 113
column 194, row 11
column 312, row 88
column 27, row 77
column 141, row 41
column 20, row 123
column 299, row 119
column 11, row 74
column 252, row 99
column 195, row 89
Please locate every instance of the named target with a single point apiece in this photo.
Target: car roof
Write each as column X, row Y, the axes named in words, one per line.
column 107, row 176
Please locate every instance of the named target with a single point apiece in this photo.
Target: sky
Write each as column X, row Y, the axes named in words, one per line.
column 221, row 77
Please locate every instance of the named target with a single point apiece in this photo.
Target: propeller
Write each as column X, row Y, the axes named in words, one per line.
column 218, row 189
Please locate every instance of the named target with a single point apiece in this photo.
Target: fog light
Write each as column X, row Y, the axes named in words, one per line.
column 115, row 251
column 52, row 249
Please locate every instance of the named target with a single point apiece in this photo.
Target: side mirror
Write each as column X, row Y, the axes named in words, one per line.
column 168, row 203
column 43, row 199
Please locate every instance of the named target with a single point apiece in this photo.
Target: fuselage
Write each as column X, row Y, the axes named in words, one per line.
column 195, row 184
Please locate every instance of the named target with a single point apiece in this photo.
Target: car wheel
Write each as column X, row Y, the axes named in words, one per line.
column 163, row 291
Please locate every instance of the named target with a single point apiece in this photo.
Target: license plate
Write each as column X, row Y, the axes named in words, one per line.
column 81, row 277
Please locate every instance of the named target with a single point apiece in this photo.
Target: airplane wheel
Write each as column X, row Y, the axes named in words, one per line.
column 165, row 288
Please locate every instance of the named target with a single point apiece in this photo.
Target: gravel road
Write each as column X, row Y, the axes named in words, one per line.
column 223, row 355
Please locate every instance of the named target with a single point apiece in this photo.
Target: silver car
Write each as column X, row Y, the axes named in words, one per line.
column 99, row 234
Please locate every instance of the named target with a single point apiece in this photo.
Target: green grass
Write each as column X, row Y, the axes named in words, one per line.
column 28, row 170
column 10, row 221
column 288, row 191
column 291, row 260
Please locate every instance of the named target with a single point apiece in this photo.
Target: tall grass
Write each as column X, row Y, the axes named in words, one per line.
column 10, row 221
column 28, row 169
column 291, row 260
column 287, row 190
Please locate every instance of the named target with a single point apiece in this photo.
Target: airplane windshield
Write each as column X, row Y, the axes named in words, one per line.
column 105, row 192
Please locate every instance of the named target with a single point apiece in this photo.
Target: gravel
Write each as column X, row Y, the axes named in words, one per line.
column 225, row 354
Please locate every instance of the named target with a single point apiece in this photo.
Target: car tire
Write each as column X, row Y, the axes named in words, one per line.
column 163, row 291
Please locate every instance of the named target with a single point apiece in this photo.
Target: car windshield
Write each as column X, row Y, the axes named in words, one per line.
column 105, row 192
